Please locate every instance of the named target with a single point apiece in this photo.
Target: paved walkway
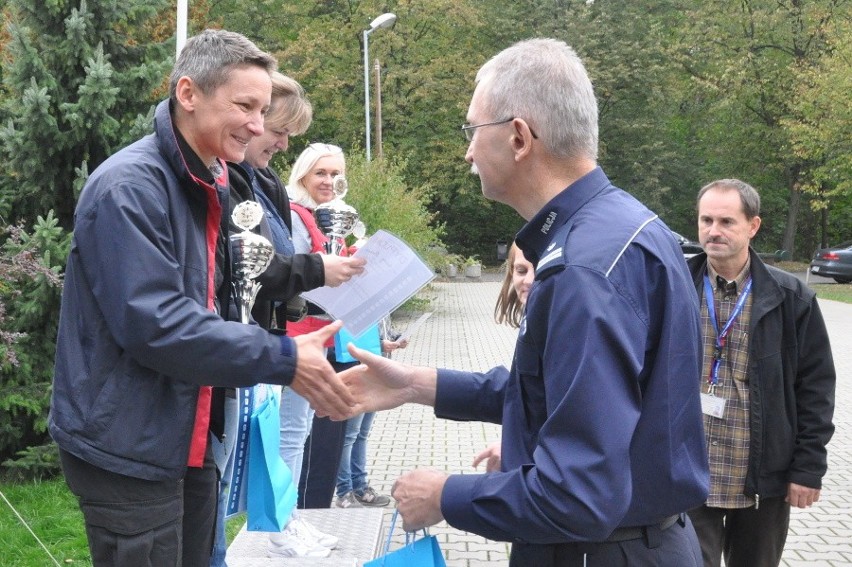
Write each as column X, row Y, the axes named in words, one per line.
column 461, row 334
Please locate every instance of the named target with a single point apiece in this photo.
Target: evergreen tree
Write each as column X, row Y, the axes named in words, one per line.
column 79, row 80
column 77, row 75
column 30, row 266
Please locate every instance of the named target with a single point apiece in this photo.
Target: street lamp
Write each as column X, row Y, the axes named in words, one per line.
column 384, row 21
column 180, row 26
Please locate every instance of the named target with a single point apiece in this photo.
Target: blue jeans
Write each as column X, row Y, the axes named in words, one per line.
column 296, row 418
column 352, row 474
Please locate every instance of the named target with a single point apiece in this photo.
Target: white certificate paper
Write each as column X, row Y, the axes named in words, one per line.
column 394, row 273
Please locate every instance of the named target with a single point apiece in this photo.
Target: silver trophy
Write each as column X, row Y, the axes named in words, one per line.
column 336, row 219
column 250, row 256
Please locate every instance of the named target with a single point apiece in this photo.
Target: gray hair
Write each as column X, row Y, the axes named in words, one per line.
column 749, row 196
column 209, row 57
column 290, row 107
column 304, row 164
column 544, row 82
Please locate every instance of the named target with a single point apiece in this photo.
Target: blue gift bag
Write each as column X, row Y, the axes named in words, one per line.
column 271, row 496
column 369, row 340
column 423, row 552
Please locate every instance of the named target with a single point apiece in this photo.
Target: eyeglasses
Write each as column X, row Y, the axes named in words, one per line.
column 468, row 129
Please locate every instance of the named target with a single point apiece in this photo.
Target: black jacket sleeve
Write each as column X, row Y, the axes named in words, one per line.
column 286, row 276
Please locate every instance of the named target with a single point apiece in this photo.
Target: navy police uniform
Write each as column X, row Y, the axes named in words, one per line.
column 603, row 448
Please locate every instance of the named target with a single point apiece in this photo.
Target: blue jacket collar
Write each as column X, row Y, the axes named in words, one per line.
column 534, row 238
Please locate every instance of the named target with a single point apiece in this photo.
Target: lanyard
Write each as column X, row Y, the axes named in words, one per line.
column 721, row 337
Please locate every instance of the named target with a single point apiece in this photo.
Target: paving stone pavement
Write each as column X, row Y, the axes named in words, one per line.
column 462, row 334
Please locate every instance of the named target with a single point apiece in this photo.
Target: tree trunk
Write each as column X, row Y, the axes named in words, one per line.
column 789, row 242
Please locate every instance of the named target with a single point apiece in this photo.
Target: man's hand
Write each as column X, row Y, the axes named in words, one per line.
column 492, row 457
column 340, row 269
column 799, row 496
column 418, row 494
column 315, row 379
column 380, row 383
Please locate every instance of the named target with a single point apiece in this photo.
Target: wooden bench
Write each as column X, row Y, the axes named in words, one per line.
column 359, row 529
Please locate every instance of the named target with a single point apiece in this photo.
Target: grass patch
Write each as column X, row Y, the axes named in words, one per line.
column 233, row 525
column 835, row 292
column 51, row 511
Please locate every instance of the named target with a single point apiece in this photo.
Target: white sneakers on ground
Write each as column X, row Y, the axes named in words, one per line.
column 324, row 539
column 301, row 539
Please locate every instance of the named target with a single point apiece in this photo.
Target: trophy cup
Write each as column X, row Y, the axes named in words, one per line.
column 336, row 219
column 250, row 256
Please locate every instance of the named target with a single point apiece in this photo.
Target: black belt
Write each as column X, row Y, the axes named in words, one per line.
column 625, row 534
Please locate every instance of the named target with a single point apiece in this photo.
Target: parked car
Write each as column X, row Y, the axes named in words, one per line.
column 834, row 262
column 689, row 247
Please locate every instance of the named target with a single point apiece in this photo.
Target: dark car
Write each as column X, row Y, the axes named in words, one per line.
column 834, row 262
column 689, row 247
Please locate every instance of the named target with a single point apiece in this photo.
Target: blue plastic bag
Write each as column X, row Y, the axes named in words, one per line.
column 369, row 340
column 271, row 495
column 423, row 552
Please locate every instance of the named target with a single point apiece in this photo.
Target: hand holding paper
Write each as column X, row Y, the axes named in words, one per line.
column 393, row 274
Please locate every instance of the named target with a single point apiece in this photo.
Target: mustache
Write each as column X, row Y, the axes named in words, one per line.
column 474, row 170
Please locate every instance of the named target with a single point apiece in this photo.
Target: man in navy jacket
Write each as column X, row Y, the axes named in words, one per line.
column 602, row 446
column 141, row 340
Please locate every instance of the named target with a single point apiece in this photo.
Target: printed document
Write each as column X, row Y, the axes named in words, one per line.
column 394, row 273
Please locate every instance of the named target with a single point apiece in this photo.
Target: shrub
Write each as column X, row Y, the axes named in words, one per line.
column 385, row 201
column 30, row 293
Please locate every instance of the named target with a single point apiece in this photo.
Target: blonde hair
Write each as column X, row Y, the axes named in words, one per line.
column 290, row 107
column 304, row 163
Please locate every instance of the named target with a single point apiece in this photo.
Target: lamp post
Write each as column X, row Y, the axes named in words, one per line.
column 384, row 21
column 180, row 26
column 378, row 69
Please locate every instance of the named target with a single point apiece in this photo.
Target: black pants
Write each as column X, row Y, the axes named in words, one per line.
column 747, row 537
column 323, row 447
column 132, row 522
column 676, row 546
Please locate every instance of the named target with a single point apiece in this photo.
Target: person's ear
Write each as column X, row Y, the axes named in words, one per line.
column 186, row 93
column 754, row 226
column 522, row 138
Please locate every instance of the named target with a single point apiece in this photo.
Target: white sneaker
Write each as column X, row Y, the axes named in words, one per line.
column 294, row 542
column 322, row 538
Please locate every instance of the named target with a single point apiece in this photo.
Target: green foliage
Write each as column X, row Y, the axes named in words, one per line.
column 79, row 82
column 835, row 292
column 384, row 200
column 428, row 61
column 29, row 306
column 821, row 131
column 37, row 462
column 744, row 60
column 77, row 75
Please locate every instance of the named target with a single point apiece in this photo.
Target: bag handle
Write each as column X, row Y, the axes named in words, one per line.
column 409, row 536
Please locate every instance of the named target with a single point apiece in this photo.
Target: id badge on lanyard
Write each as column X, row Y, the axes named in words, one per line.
column 711, row 404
